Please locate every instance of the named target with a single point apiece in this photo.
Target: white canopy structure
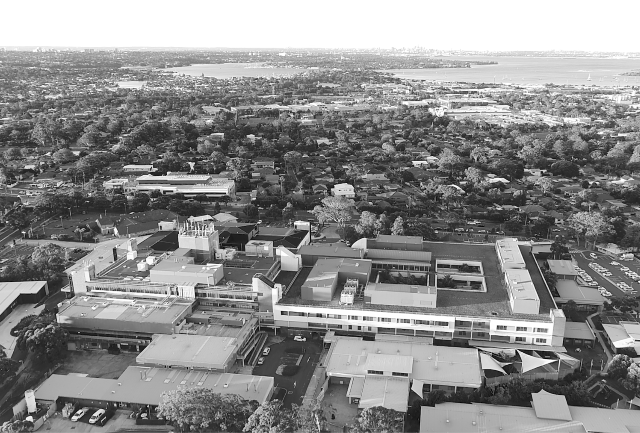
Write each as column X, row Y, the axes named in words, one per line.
column 488, row 363
column 531, row 362
column 417, row 386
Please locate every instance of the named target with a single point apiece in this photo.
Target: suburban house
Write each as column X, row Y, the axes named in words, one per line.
column 343, row 190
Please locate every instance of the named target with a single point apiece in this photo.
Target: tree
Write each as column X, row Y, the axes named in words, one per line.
column 618, row 366
column 202, row 409
column 448, row 161
column 18, row 218
column 251, row 211
column 545, row 184
column 513, row 226
column 119, row 203
column 368, row 226
column 62, row 156
column 294, row 159
column 238, row 167
column 414, row 227
column 558, row 250
column 271, row 417
column 501, row 396
column 474, row 176
column 398, row 227
column 273, row 212
column 625, row 304
column 632, row 381
column 48, row 261
column 570, row 308
column 8, row 366
column 378, row 419
column 140, row 202
column 631, row 238
column 288, row 212
column 479, row 154
column 565, row 168
column 45, row 339
column 23, row 323
column 589, row 225
column 336, row 209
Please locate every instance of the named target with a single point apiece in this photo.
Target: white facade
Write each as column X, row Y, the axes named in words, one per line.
column 545, row 331
column 343, row 190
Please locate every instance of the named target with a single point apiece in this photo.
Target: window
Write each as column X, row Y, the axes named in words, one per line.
column 520, row 340
column 462, row 333
column 318, row 315
column 354, row 318
column 385, row 319
column 404, row 320
column 374, row 372
column 334, row 316
column 541, row 340
column 284, row 313
column 442, row 324
column 521, row 328
column 423, row 322
column 369, row 319
column 501, row 327
column 395, row 373
column 545, row 330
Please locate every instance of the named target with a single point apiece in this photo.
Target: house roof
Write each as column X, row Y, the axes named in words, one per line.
column 550, row 406
column 578, row 330
column 570, row 290
column 562, row 267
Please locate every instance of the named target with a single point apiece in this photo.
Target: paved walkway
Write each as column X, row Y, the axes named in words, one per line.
column 317, row 380
column 600, row 339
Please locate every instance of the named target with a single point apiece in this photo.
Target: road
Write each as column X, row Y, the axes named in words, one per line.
column 583, row 259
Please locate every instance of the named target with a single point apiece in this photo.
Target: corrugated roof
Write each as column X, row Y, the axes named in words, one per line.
column 416, row 256
column 550, row 406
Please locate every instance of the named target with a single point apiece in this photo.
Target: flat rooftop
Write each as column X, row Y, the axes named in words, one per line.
column 143, row 385
column 124, row 309
column 451, row 366
column 242, row 268
column 189, row 351
column 492, row 303
column 11, row 290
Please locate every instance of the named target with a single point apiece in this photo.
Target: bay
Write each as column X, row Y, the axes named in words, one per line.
column 534, row 70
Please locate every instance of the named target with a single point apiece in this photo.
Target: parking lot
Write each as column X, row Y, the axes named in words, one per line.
column 291, row 352
column 617, row 275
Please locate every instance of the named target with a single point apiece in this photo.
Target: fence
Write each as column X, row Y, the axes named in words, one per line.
column 528, row 377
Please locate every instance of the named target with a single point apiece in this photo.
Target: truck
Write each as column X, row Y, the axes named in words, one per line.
column 626, row 256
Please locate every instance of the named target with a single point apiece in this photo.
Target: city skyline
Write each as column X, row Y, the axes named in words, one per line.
column 473, row 26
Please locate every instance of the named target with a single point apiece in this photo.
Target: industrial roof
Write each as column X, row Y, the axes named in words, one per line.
column 394, row 363
column 578, row 330
column 189, row 351
column 144, row 385
column 569, row 289
column 413, row 256
column 329, row 250
column 562, row 267
column 550, row 406
column 450, row 366
column 619, row 336
column 9, row 291
column 124, row 309
column 389, row 392
column 169, row 266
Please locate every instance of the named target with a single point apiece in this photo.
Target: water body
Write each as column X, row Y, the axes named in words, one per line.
column 534, row 70
column 233, row 70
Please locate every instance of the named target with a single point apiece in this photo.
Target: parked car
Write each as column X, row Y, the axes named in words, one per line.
column 79, row 414
column 96, row 416
column 299, row 338
column 593, row 255
column 266, row 351
column 261, row 360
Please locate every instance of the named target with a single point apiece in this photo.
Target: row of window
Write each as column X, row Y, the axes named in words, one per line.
column 365, row 318
column 393, row 373
column 399, row 267
column 522, row 329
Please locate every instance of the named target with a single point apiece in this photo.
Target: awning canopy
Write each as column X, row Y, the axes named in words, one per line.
column 568, row 359
column 417, row 387
column 531, row 362
column 484, row 345
column 488, row 363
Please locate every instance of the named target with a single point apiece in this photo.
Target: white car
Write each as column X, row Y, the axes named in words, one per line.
column 299, row 338
column 96, row 416
column 592, row 283
column 79, row 414
column 615, row 263
column 624, row 268
column 261, row 360
column 607, row 274
column 593, row 255
column 606, row 294
column 266, row 351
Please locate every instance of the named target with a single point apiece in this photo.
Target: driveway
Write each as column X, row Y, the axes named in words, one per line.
column 583, row 259
column 295, row 385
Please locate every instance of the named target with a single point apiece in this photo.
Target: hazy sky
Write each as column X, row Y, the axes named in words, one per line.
column 475, row 25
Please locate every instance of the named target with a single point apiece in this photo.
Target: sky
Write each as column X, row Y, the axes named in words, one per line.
column 493, row 25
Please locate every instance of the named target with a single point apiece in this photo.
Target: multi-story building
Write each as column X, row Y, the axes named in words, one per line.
column 189, row 185
column 392, row 289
